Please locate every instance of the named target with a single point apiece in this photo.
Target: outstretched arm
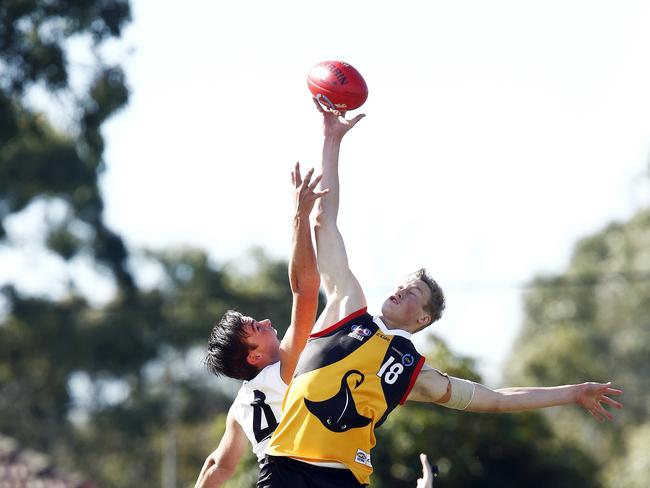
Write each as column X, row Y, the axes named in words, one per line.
column 220, row 465
column 344, row 294
column 303, row 273
column 433, row 386
column 589, row 396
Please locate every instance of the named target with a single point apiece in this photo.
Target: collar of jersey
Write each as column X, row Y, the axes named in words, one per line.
column 259, row 377
column 387, row 331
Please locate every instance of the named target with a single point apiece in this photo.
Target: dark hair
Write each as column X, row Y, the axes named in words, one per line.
column 436, row 305
column 227, row 348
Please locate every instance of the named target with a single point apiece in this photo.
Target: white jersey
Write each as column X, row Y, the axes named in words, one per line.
column 258, row 405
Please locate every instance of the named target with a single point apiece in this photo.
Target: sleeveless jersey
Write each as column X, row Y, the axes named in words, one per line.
column 257, row 407
column 348, row 379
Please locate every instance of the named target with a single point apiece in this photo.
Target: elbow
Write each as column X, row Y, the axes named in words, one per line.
column 306, row 289
column 319, row 215
column 322, row 219
column 305, row 283
column 319, row 221
column 216, row 475
column 498, row 403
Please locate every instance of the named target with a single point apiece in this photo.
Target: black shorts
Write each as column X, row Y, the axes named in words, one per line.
column 284, row 472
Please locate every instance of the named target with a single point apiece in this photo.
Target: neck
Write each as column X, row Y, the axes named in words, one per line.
column 395, row 325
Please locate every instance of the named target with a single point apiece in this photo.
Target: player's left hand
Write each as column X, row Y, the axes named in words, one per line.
column 305, row 193
column 591, row 396
column 334, row 122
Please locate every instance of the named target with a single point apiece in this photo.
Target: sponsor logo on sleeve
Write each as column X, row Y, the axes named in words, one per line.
column 407, row 359
column 396, row 351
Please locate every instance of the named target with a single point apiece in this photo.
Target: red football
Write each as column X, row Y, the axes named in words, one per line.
column 337, row 85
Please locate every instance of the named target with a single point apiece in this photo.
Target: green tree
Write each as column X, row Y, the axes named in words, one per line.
column 593, row 323
column 39, row 163
column 149, row 352
column 87, row 382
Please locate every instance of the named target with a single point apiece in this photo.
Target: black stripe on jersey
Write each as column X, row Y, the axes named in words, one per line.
column 414, row 378
column 336, row 343
column 400, row 363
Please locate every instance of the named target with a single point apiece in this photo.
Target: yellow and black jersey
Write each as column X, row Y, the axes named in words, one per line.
column 349, row 378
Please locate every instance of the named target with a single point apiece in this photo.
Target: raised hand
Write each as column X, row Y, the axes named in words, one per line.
column 427, row 473
column 305, row 196
column 591, row 396
column 334, row 122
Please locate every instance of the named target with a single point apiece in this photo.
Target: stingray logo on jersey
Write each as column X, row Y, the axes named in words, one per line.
column 407, row 360
column 363, row 457
column 359, row 332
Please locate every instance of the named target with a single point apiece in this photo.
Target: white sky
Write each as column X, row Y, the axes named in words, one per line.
column 497, row 134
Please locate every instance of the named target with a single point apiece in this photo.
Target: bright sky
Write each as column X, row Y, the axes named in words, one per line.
column 497, row 134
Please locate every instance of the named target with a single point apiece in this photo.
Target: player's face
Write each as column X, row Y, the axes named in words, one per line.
column 263, row 342
column 406, row 306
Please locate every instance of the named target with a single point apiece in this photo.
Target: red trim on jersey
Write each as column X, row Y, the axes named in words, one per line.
column 414, row 377
column 353, row 315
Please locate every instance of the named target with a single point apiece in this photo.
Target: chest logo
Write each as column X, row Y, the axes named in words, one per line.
column 339, row 413
column 359, row 332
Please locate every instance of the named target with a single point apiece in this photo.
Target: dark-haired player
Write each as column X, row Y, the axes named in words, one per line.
column 244, row 348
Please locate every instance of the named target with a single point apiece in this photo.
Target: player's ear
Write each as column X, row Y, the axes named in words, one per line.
column 424, row 319
column 253, row 358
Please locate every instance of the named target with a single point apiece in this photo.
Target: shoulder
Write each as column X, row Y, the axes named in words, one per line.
column 360, row 317
column 267, row 386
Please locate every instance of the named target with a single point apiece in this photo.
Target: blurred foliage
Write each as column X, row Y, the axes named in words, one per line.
column 85, row 382
column 149, row 351
column 247, row 470
column 38, row 163
column 593, row 324
column 632, row 469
